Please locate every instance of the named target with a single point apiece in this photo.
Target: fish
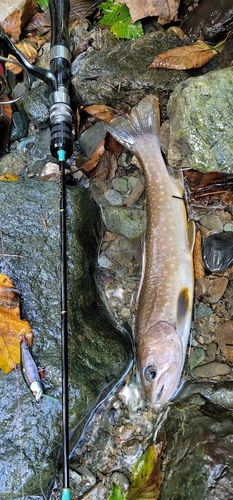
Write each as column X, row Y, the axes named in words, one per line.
column 166, row 289
column 30, row 371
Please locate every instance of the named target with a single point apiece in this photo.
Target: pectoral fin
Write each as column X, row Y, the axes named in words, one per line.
column 183, row 310
column 191, row 234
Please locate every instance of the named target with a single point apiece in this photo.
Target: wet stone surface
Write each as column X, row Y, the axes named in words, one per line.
column 197, row 461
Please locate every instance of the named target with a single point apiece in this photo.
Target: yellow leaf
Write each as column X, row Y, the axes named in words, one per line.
column 12, row 328
column 28, row 50
column 186, row 57
column 9, row 177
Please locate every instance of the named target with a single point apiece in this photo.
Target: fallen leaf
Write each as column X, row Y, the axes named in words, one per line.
column 199, row 270
column 116, row 493
column 102, row 112
column 146, row 474
column 91, row 163
column 165, row 10
column 12, row 328
column 107, row 167
column 15, row 22
column 224, row 338
column 9, row 177
column 186, row 57
column 211, row 189
column 28, row 50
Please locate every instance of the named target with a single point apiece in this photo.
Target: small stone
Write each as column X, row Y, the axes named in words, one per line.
column 36, row 105
column 120, row 184
column 124, row 159
column 20, row 126
column 27, row 143
column 113, row 197
column 127, row 222
column 202, row 310
column 228, row 226
column 197, row 357
column 211, row 370
column 211, row 351
column 121, row 481
column 212, row 222
column 104, row 262
column 132, row 181
column 125, row 312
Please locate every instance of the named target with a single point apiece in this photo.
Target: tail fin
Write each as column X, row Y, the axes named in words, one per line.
column 144, row 119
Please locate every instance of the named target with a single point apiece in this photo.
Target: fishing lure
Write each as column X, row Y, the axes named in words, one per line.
column 30, row 371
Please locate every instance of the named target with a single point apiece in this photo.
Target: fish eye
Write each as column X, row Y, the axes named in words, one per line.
column 150, row 373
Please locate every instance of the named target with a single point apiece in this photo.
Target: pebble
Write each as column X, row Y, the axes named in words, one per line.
column 121, row 481
column 26, row 143
column 132, row 181
column 210, row 370
column 127, row 222
column 224, row 338
column 211, row 351
column 124, row 159
column 20, row 126
column 99, row 492
column 120, row 184
column 212, row 222
column 197, row 357
column 114, row 197
column 202, row 310
column 104, row 262
column 125, row 312
column 228, row 227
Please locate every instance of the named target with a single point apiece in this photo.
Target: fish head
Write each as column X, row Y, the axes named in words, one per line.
column 160, row 360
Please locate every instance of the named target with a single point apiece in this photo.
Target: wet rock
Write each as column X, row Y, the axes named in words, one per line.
column 119, row 73
column 113, row 197
column 89, row 140
column 29, row 214
column 127, row 222
column 197, row 462
column 20, row 126
column 212, row 222
column 200, row 122
column 211, row 351
column 27, row 143
column 217, row 251
column 210, row 370
column 40, row 153
column 228, row 227
column 209, row 21
column 13, row 163
column 36, row 105
column 120, row 480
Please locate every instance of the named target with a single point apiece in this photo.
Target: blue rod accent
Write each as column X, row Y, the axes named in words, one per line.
column 66, row 494
column 61, row 155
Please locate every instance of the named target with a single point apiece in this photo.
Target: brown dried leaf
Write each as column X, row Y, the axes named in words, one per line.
column 102, row 112
column 113, row 145
column 90, row 165
column 12, row 328
column 15, row 22
column 165, row 10
column 28, row 50
column 186, row 57
column 107, row 167
column 199, row 270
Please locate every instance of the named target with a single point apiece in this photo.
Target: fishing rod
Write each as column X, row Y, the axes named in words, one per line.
column 58, row 79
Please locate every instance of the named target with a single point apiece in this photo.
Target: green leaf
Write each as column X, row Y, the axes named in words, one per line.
column 43, row 4
column 146, row 475
column 117, row 16
column 116, row 493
